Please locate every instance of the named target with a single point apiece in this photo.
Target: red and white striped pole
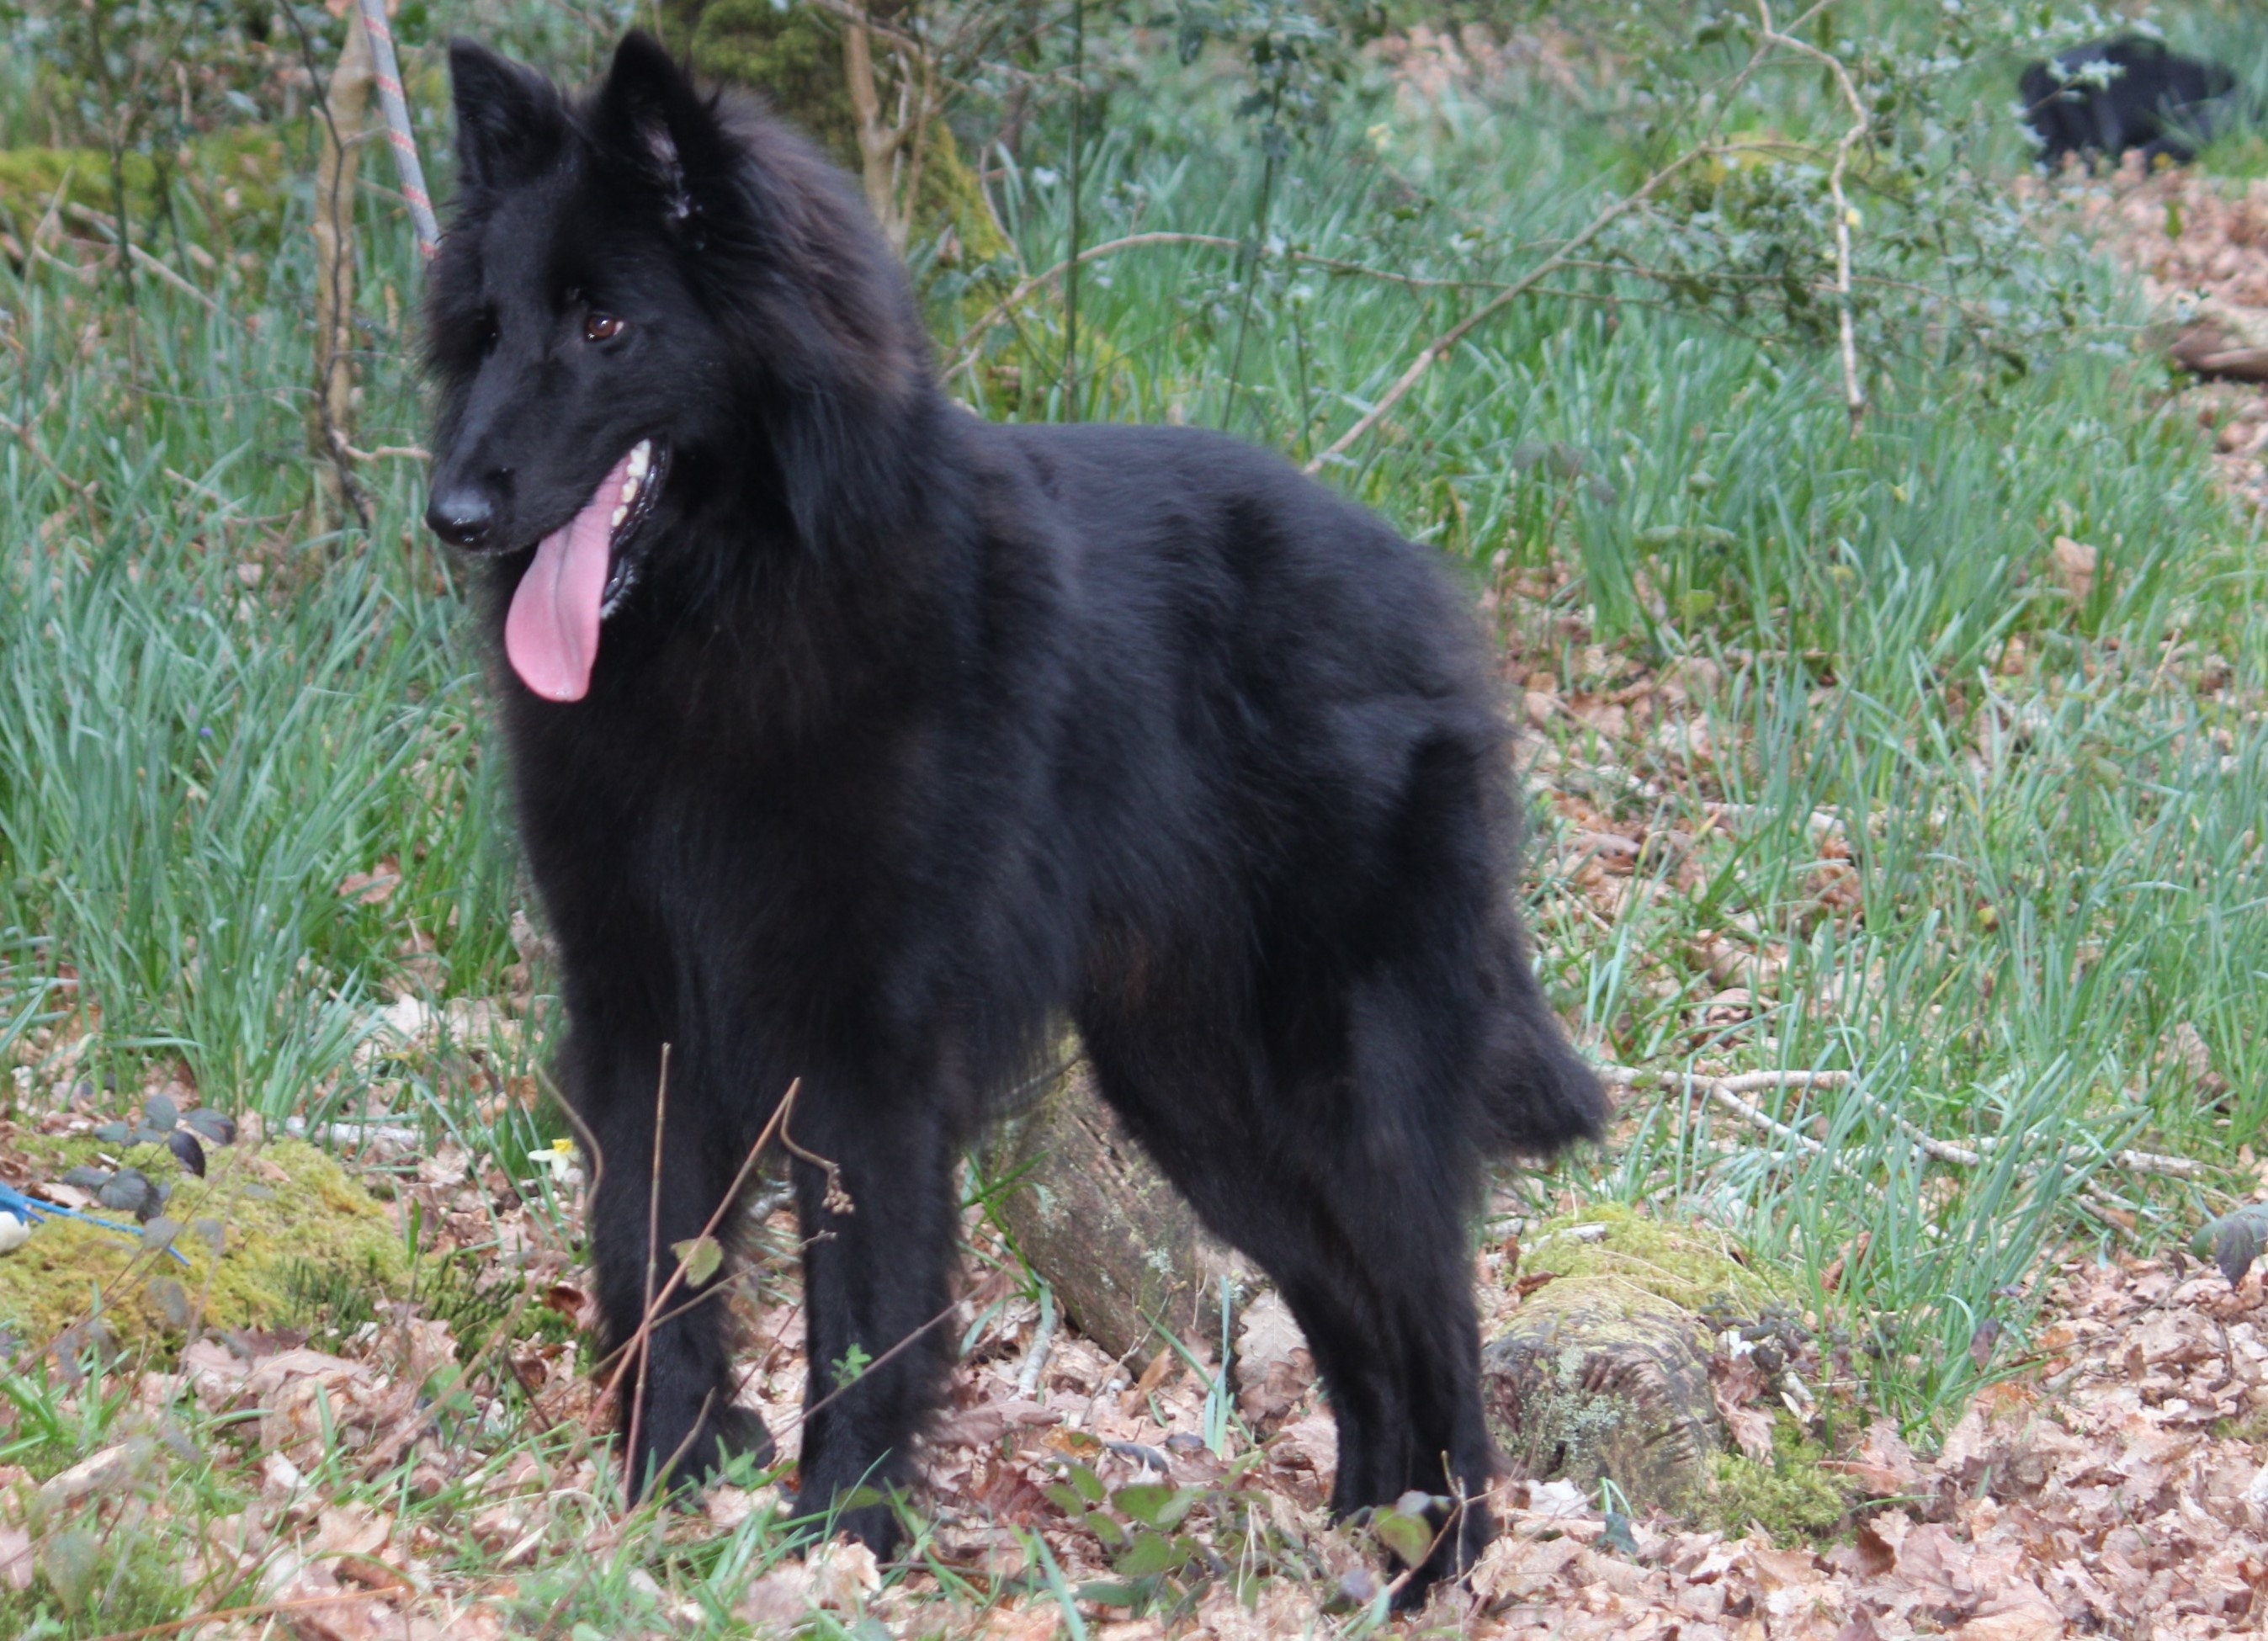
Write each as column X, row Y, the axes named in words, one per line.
column 387, row 73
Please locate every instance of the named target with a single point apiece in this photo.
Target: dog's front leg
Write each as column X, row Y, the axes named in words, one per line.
column 676, row 1410
column 878, row 1223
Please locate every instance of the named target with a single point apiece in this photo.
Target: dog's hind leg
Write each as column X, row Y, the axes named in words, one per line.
column 678, row 1390
column 1330, row 1173
column 879, row 1229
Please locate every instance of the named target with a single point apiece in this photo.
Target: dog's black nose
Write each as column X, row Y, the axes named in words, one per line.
column 463, row 514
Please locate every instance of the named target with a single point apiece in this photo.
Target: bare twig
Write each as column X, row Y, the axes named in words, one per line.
column 1854, row 392
column 643, row 1353
column 110, row 225
column 878, row 143
column 1726, row 1091
column 262, row 1609
column 630, row 1349
column 965, row 351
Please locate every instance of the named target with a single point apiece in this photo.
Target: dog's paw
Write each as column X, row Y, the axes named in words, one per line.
column 866, row 1514
column 695, row 1457
column 741, row 1433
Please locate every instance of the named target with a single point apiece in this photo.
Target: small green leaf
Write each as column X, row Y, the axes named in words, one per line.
column 1066, row 1499
column 701, row 1255
column 70, row 1559
column 1409, row 1537
column 1106, row 1593
column 1106, row 1528
column 1150, row 1554
column 1153, row 1504
column 1089, row 1485
column 160, row 1112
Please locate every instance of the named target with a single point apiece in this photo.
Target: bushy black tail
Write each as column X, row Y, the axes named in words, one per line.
column 1540, row 1097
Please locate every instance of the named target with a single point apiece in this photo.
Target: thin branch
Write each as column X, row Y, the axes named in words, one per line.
column 776, row 1125
column 1854, row 392
column 1726, row 1092
column 644, row 1354
column 1443, row 345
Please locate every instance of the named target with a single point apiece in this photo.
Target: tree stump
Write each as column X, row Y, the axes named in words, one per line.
column 1092, row 1214
column 1597, row 1378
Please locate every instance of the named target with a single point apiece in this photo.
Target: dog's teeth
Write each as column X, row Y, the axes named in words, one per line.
column 631, row 488
column 640, row 456
column 620, row 513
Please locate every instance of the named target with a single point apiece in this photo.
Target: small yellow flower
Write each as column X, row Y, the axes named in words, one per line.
column 1850, row 215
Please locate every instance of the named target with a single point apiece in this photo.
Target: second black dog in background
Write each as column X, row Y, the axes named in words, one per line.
column 2105, row 99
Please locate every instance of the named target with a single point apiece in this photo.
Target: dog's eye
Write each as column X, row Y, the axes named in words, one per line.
column 601, row 327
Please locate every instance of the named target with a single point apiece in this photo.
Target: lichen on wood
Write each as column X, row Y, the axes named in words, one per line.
column 1597, row 1378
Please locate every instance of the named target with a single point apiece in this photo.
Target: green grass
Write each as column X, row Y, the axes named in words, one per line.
column 211, row 714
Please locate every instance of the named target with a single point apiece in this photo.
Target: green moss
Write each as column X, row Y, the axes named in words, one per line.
column 235, row 173
column 791, row 53
column 279, row 1237
column 1791, row 1498
column 1692, row 1266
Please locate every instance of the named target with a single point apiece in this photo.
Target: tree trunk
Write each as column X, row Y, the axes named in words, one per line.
column 348, row 105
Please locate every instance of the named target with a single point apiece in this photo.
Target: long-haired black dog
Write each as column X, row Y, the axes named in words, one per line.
column 861, row 742
column 2102, row 100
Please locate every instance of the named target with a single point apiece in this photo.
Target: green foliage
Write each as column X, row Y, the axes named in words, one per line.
column 229, row 186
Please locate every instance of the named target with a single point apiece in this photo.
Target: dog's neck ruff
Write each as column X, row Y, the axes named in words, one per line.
column 551, row 633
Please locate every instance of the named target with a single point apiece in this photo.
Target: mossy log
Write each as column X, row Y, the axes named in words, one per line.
column 1092, row 1215
column 267, row 1226
column 1598, row 1378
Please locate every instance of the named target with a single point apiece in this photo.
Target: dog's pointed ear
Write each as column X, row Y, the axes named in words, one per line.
column 508, row 118
column 651, row 113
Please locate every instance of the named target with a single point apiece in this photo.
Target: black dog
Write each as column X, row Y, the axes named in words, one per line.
column 858, row 741
column 2100, row 100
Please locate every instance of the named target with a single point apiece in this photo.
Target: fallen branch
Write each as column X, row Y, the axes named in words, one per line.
column 1726, row 1092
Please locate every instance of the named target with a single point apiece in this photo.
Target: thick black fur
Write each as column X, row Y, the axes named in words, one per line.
column 917, row 735
column 2152, row 99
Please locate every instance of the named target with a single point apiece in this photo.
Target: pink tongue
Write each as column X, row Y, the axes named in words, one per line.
column 551, row 633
